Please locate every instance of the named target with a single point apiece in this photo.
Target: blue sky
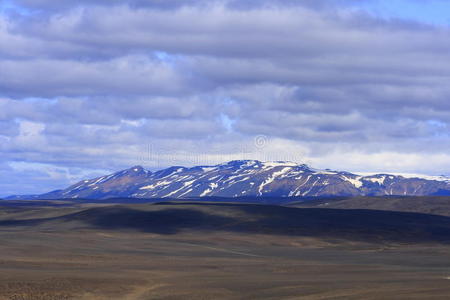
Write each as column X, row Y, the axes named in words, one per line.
column 91, row 87
column 8, row 7
column 434, row 12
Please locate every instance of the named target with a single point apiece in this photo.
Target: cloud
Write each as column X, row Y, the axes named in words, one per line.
column 49, row 5
column 93, row 85
column 121, row 76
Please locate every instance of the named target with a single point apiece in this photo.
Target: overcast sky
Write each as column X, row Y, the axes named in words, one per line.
column 88, row 87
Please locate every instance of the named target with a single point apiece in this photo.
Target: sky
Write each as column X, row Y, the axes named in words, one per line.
column 92, row 87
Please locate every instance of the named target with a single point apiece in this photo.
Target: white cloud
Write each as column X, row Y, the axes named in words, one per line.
column 89, row 85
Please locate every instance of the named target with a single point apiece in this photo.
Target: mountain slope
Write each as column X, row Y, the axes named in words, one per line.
column 248, row 178
column 432, row 205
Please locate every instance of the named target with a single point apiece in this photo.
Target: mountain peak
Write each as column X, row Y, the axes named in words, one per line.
column 134, row 171
column 280, row 164
column 240, row 162
column 249, row 162
column 137, row 169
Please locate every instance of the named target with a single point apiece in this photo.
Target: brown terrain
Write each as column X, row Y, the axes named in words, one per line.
column 424, row 204
column 59, row 250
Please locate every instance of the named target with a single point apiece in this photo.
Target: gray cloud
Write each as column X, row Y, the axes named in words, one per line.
column 49, row 5
column 121, row 76
column 90, row 85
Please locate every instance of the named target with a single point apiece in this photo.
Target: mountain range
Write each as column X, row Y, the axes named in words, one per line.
column 247, row 178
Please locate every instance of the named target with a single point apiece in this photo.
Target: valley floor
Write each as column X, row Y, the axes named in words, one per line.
column 64, row 259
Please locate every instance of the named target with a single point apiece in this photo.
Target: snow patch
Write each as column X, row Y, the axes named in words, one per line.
column 212, row 186
column 274, row 164
column 153, row 186
column 310, row 189
column 272, row 178
column 297, row 192
column 379, row 180
column 426, row 177
column 208, row 169
column 324, row 172
column 355, row 181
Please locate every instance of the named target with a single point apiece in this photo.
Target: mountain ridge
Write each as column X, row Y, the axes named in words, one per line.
column 246, row 178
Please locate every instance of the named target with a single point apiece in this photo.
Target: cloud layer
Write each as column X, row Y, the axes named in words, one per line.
column 92, row 86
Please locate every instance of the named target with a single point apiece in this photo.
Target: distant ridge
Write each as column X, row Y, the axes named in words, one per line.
column 246, row 178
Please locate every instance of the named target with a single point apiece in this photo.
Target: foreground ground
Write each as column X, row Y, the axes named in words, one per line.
column 203, row 251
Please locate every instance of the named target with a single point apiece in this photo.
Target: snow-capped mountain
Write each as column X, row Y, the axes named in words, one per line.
column 249, row 178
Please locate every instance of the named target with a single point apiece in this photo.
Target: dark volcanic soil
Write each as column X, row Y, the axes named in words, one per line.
column 226, row 251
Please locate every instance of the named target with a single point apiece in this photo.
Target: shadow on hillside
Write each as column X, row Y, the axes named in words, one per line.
column 167, row 221
column 362, row 225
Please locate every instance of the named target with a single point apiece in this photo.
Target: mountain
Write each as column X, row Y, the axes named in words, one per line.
column 247, row 178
